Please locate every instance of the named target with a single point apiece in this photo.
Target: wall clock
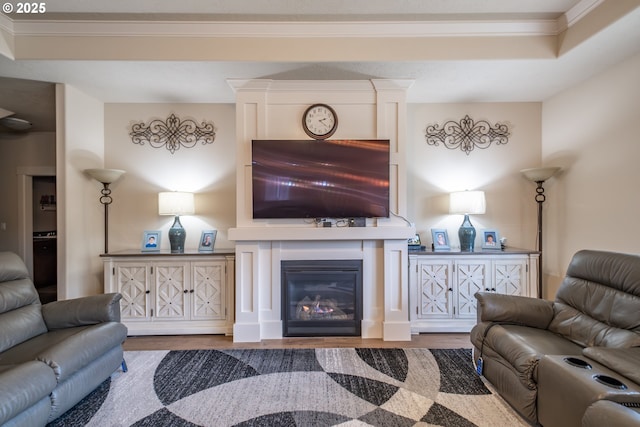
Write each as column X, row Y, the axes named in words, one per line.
column 319, row 121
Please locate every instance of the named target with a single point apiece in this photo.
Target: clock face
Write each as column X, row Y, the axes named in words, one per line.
column 319, row 121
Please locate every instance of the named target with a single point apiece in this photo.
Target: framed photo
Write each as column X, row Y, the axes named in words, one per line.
column 490, row 239
column 440, row 239
column 207, row 240
column 415, row 240
column 151, row 241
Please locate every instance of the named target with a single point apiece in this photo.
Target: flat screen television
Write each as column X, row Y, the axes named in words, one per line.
column 320, row 179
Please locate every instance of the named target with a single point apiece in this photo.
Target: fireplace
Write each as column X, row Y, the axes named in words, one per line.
column 321, row 298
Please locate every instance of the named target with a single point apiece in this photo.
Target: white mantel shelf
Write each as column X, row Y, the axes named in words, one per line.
column 320, row 233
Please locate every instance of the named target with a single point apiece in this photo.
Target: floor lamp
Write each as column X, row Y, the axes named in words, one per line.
column 106, row 177
column 539, row 176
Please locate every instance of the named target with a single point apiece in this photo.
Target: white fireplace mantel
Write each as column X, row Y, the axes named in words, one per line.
column 291, row 233
column 272, row 109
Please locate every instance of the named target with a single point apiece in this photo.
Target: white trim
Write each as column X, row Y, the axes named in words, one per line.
column 579, row 11
column 379, row 29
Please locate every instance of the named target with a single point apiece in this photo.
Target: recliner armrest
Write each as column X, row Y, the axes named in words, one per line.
column 520, row 310
column 82, row 311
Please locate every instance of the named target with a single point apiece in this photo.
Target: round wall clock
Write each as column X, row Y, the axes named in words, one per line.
column 319, row 121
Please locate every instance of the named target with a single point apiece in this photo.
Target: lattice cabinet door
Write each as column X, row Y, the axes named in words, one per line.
column 471, row 277
column 510, row 276
column 434, row 289
column 133, row 283
column 171, row 291
column 208, row 290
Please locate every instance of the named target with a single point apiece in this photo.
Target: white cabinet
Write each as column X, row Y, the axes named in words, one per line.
column 442, row 285
column 166, row 294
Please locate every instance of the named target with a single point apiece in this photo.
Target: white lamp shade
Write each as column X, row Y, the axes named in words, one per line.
column 105, row 176
column 467, row 202
column 539, row 174
column 176, row 203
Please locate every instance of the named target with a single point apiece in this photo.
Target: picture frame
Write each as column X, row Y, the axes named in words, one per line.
column 414, row 241
column 207, row 240
column 440, row 239
column 491, row 239
column 151, row 240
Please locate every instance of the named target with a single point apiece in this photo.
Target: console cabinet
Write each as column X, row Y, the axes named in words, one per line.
column 167, row 294
column 442, row 285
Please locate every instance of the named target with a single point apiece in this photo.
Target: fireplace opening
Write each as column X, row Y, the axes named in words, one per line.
column 321, row 298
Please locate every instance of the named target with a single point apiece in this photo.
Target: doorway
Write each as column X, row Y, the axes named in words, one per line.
column 45, row 258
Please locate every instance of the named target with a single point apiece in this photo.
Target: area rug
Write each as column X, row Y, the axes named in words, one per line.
column 294, row 387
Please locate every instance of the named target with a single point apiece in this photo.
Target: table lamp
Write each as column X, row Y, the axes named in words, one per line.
column 467, row 203
column 176, row 203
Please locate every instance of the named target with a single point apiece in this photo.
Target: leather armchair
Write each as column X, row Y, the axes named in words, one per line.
column 52, row 356
column 595, row 317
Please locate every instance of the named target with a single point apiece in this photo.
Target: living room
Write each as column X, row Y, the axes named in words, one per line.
column 562, row 77
column 587, row 129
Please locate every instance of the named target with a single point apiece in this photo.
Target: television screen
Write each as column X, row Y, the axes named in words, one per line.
column 320, row 179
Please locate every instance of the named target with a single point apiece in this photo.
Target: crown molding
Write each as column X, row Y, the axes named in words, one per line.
column 285, row 29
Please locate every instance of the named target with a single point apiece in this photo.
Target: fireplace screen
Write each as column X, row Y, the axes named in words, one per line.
column 321, row 298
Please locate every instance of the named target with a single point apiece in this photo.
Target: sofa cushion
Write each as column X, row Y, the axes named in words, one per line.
column 68, row 350
column 23, row 386
column 20, row 325
column 12, row 267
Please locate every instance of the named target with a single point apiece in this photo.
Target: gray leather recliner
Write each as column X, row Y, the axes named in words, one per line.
column 52, row 355
column 532, row 349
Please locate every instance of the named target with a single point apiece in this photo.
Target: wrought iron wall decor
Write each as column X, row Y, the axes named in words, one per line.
column 172, row 133
column 467, row 134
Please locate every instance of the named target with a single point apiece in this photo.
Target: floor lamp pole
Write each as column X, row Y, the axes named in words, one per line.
column 106, row 200
column 105, row 177
column 539, row 176
column 540, row 198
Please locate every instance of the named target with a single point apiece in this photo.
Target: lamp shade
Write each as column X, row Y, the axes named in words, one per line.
column 105, row 176
column 539, row 174
column 175, row 203
column 467, row 202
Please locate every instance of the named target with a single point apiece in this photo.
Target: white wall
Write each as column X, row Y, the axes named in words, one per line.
column 593, row 132
column 435, row 171
column 208, row 170
column 80, row 145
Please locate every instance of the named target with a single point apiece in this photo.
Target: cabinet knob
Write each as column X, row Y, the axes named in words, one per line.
column 493, row 289
column 487, row 289
column 191, row 291
column 450, row 289
column 186, row 291
column 147, row 292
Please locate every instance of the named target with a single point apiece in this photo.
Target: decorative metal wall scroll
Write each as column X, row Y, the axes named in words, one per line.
column 467, row 134
column 172, row 133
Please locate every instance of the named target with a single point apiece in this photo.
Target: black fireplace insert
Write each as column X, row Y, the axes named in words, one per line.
column 321, row 298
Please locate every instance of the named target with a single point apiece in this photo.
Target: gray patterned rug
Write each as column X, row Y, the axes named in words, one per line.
column 294, row 387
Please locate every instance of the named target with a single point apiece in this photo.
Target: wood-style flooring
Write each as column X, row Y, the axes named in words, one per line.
column 204, row 342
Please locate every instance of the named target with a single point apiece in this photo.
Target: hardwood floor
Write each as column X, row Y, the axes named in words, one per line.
column 203, row 342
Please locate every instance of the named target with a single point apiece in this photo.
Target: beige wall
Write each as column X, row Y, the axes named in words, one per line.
column 435, row 171
column 208, row 170
column 593, row 131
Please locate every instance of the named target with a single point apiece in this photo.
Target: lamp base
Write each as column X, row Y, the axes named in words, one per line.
column 177, row 236
column 467, row 235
